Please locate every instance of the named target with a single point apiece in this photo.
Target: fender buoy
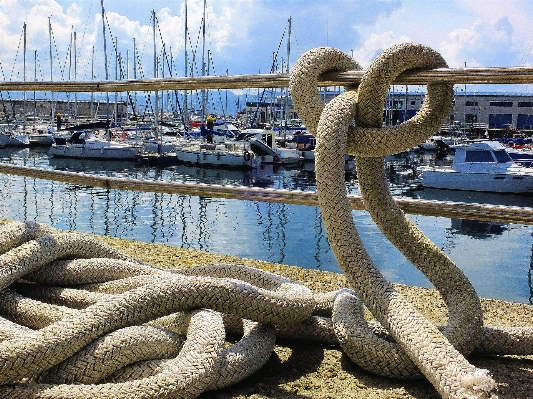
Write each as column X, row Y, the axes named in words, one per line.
column 276, row 158
column 246, row 156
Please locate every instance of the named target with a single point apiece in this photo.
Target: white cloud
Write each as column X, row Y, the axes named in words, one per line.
column 482, row 44
column 374, row 45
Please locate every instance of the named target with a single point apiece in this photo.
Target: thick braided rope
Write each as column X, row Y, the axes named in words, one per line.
column 56, row 354
column 103, row 319
column 423, row 342
column 466, row 318
column 187, row 376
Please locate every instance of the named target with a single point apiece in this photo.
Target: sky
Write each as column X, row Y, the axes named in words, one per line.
column 245, row 36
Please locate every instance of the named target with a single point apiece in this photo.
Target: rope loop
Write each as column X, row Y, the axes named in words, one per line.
column 368, row 137
column 351, row 123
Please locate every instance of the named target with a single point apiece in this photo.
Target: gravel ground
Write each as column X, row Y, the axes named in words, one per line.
column 298, row 370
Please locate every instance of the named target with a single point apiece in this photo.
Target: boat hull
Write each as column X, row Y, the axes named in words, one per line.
column 88, row 152
column 223, row 159
column 486, row 182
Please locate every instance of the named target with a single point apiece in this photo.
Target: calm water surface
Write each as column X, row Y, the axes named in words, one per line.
column 497, row 257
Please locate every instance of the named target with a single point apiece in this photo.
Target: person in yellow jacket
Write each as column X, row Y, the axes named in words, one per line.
column 210, row 122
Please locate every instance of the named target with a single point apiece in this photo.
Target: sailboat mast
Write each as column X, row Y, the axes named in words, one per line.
column 35, row 78
column 106, row 68
column 135, row 77
column 203, row 64
column 163, row 59
column 117, row 60
column 289, row 44
column 185, row 108
column 52, row 109
column 156, row 111
column 287, row 71
column 92, row 77
column 75, row 78
column 24, row 76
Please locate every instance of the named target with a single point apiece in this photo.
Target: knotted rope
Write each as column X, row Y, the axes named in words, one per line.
column 79, row 319
column 352, row 123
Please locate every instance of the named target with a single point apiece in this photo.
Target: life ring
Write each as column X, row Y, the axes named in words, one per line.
column 246, row 156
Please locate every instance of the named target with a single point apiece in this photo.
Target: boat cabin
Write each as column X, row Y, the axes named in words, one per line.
column 481, row 157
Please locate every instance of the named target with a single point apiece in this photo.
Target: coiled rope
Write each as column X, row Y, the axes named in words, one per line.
column 79, row 319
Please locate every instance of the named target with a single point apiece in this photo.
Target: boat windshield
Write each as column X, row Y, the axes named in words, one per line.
column 479, row 156
column 502, row 156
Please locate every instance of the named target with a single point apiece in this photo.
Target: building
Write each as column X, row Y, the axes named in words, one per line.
column 495, row 113
column 43, row 109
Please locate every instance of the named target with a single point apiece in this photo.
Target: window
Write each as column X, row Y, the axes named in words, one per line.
column 471, row 103
column 479, row 156
column 525, row 103
column 470, row 118
column 396, row 104
column 413, row 102
column 501, row 103
column 502, row 156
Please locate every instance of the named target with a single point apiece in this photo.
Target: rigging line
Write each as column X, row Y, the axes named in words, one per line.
column 274, row 61
column 16, row 54
column 38, row 61
column 118, row 59
column 147, row 97
column 169, row 66
column 212, row 62
column 195, row 50
column 7, row 91
column 57, row 52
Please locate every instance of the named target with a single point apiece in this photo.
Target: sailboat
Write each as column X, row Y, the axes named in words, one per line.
column 85, row 144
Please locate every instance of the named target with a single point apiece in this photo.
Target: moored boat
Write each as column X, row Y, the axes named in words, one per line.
column 484, row 166
column 229, row 155
column 90, row 147
column 263, row 144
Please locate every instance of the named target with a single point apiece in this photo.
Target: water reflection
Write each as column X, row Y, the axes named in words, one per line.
column 436, row 194
column 477, row 229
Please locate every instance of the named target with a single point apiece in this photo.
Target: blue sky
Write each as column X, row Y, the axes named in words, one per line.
column 243, row 35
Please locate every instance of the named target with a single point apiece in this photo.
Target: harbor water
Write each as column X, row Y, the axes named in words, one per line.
column 496, row 257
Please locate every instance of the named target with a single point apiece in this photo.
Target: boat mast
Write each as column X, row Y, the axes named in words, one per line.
column 203, row 63
column 106, row 71
column 24, row 78
column 156, row 111
column 35, row 78
column 287, row 71
column 135, row 78
column 117, row 60
column 75, row 78
column 52, row 109
column 185, row 108
column 92, row 77
column 163, row 59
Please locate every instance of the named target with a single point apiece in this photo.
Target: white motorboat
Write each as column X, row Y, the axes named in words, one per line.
column 484, row 166
column 263, row 144
column 90, row 147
